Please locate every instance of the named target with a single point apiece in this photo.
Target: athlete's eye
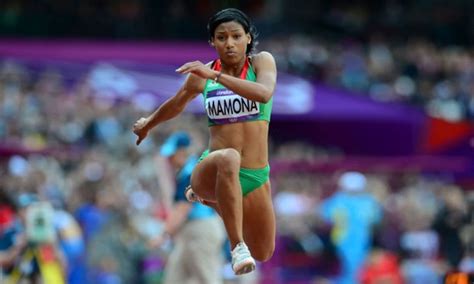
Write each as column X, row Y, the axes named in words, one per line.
column 237, row 36
column 220, row 38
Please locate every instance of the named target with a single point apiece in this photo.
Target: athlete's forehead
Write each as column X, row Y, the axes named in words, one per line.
column 231, row 26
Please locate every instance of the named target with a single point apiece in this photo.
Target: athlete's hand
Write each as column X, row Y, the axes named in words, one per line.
column 197, row 68
column 140, row 128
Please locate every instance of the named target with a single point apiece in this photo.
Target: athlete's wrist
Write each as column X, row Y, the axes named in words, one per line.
column 217, row 76
column 148, row 125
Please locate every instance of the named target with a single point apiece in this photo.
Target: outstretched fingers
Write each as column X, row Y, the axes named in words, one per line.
column 196, row 68
column 187, row 67
column 140, row 130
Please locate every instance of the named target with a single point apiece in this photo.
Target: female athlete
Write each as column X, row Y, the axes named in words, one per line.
column 233, row 173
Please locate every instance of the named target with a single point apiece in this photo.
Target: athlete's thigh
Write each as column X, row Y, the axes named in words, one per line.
column 259, row 221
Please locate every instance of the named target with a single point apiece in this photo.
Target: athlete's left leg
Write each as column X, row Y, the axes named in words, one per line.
column 259, row 227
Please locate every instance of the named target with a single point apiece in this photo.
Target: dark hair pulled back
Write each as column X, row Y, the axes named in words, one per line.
column 234, row 15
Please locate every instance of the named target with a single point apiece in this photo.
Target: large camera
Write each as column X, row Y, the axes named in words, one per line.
column 40, row 223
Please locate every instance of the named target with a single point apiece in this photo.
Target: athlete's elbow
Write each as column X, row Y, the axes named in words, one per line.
column 265, row 96
column 265, row 100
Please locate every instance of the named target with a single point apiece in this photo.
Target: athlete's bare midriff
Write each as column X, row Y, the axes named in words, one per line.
column 250, row 139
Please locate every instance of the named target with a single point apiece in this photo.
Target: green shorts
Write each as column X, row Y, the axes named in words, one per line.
column 250, row 179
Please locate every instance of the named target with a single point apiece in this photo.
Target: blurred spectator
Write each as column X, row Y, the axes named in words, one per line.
column 89, row 215
column 12, row 239
column 71, row 241
column 449, row 222
column 419, row 243
column 195, row 229
column 353, row 212
column 116, row 251
column 466, row 264
column 382, row 266
column 42, row 259
column 303, row 238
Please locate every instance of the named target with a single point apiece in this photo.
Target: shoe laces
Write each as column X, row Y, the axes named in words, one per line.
column 240, row 251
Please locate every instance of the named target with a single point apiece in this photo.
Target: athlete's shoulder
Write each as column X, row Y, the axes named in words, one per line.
column 263, row 61
column 263, row 55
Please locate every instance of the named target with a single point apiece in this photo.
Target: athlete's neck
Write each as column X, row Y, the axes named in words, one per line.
column 233, row 70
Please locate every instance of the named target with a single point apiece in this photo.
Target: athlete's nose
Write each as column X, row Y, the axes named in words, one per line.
column 229, row 43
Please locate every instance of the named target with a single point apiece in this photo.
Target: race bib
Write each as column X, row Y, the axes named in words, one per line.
column 225, row 105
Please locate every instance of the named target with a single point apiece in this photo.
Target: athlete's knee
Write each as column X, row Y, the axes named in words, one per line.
column 228, row 161
column 263, row 252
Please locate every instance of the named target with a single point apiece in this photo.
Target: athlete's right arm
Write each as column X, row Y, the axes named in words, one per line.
column 172, row 107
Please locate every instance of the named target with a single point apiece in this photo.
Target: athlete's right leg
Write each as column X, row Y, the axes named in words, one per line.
column 216, row 179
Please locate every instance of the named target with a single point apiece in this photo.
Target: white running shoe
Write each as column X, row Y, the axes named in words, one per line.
column 242, row 261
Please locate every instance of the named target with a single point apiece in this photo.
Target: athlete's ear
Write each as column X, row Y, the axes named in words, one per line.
column 211, row 42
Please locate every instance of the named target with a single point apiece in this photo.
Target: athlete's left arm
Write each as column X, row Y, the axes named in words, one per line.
column 260, row 91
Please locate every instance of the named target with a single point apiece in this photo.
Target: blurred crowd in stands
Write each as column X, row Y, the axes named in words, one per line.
column 442, row 22
column 406, row 228
column 62, row 145
column 437, row 79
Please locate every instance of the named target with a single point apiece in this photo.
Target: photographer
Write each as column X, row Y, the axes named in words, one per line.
column 12, row 241
column 40, row 260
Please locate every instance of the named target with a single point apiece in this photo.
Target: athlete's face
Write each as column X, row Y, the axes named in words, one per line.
column 230, row 40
